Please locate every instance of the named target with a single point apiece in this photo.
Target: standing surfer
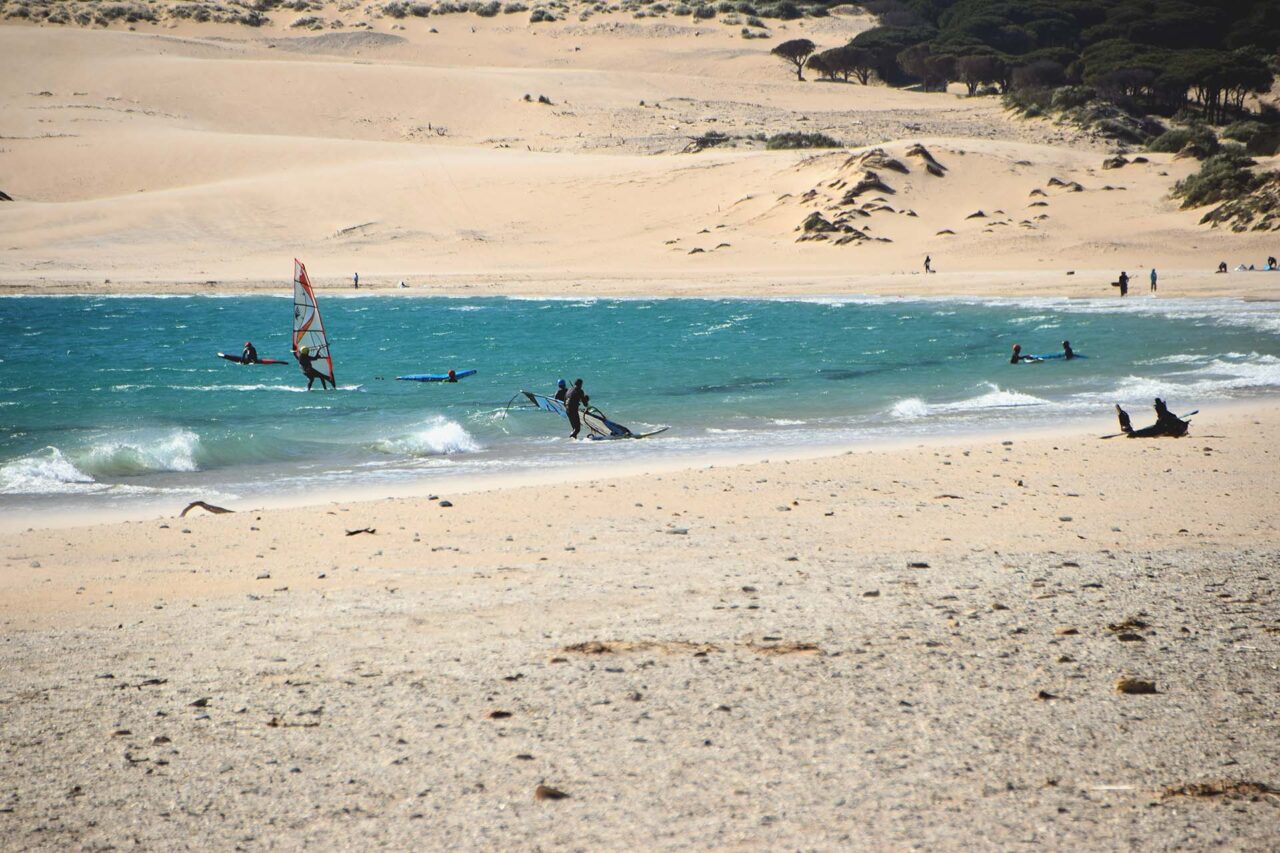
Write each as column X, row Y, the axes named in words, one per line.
column 250, row 354
column 355, row 280
column 576, row 399
column 1124, row 283
column 305, row 359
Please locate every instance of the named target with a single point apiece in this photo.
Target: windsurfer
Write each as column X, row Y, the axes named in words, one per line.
column 305, row 359
column 576, row 399
column 562, row 391
column 250, row 353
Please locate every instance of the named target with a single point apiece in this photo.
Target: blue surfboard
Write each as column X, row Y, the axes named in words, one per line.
column 436, row 377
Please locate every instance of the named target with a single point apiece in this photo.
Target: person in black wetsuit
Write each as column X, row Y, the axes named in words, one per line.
column 1018, row 356
column 1067, row 352
column 1166, row 423
column 562, row 391
column 453, row 376
column 250, row 354
column 1124, row 283
column 305, row 359
column 577, row 398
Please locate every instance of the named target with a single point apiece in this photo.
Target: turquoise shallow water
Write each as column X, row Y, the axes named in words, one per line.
column 107, row 400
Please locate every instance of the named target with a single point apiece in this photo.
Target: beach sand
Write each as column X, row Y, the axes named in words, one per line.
column 902, row 648
column 894, row 647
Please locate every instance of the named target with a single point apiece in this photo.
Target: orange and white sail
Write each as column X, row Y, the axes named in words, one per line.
column 308, row 328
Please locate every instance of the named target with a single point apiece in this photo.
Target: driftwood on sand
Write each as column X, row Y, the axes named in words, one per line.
column 207, row 507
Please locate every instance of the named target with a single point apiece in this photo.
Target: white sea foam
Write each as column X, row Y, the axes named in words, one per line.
column 44, row 472
column 438, row 436
column 140, row 453
column 993, row 398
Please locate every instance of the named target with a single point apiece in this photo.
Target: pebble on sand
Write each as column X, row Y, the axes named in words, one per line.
column 1135, row 686
column 545, row 792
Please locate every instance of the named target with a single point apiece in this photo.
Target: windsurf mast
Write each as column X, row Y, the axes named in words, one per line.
column 308, row 328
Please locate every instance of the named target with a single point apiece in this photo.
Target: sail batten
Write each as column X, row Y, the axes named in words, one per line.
column 308, row 327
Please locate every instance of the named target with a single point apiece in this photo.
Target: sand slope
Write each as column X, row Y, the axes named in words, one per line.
column 214, row 152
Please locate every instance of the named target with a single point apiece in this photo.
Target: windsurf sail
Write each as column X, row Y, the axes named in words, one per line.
column 308, row 328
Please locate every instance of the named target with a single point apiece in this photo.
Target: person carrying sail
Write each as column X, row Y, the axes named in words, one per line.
column 305, row 359
column 576, row 399
column 562, row 391
column 250, row 354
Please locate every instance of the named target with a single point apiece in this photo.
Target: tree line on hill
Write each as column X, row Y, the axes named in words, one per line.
column 1148, row 56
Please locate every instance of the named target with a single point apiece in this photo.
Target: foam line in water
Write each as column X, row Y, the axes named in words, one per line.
column 438, row 436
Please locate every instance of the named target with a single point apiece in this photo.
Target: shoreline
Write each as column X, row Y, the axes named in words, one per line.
column 995, row 284
column 1074, row 429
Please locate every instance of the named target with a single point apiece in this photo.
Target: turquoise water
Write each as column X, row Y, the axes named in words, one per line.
column 106, row 400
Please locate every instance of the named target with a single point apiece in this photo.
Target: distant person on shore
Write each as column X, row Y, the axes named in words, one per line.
column 1271, row 263
column 1018, row 357
column 355, row 280
column 1124, row 283
column 250, row 353
column 1067, row 352
column 577, row 399
column 1153, row 279
column 562, row 391
column 1222, row 266
column 305, row 361
column 1166, row 423
column 928, row 264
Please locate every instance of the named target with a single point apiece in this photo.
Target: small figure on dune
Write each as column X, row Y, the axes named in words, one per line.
column 355, row 280
column 1222, row 266
column 1153, row 279
column 928, row 264
column 1166, row 423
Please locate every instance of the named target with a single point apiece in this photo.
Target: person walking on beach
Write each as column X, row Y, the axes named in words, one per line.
column 355, row 280
column 250, row 353
column 1124, row 283
column 928, row 264
column 1153, row 279
column 562, row 391
column 576, row 399
column 305, row 360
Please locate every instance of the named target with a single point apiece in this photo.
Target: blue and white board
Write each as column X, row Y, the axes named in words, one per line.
column 436, row 377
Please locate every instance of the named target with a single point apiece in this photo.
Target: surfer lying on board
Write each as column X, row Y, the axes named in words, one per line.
column 577, row 398
column 1019, row 357
column 305, row 359
column 562, row 391
column 1166, row 423
column 250, row 353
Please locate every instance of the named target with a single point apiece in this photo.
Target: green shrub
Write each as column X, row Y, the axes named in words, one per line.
column 1223, row 177
column 703, row 12
column 1199, row 138
column 1072, row 97
column 798, row 139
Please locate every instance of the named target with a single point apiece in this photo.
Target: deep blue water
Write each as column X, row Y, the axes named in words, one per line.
column 116, row 399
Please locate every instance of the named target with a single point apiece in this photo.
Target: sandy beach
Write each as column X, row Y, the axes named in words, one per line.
column 901, row 648
column 1010, row 640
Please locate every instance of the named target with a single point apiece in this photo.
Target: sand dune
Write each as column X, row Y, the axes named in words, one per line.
column 268, row 144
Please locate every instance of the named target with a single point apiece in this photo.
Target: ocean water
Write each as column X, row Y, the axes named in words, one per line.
column 110, row 401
